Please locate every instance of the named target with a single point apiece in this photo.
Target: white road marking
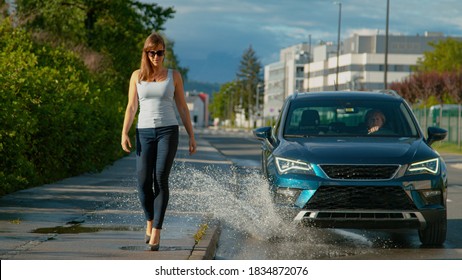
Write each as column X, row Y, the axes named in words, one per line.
column 456, row 165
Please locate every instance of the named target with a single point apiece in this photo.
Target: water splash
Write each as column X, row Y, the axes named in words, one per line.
column 238, row 198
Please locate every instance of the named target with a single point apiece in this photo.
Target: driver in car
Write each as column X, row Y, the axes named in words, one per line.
column 375, row 119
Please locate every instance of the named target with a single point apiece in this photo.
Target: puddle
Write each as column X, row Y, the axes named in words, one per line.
column 75, row 229
column 162, row 248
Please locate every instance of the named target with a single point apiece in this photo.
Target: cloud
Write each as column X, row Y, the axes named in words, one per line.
column 287, row 31
column 218, row 6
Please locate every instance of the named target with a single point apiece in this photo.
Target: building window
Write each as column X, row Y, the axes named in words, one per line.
column 299, row 71
column 399, row 68
column 299, row 85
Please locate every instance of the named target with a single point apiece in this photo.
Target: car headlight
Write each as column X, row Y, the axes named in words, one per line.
column 428, row 166
column 293, row 166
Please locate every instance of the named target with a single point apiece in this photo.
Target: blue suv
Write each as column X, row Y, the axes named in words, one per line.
column 356, row 160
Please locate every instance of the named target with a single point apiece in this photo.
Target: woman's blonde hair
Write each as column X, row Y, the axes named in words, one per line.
column 152, row 42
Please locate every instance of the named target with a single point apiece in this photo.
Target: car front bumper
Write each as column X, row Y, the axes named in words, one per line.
column 378, row 219
column 388, row 204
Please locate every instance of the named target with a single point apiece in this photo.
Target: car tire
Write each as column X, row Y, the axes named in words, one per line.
column 264, row 171
column 435, row 232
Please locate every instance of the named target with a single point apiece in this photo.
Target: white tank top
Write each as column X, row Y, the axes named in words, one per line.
column 156, row 102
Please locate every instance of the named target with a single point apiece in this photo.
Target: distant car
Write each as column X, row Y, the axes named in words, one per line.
column 327, row 168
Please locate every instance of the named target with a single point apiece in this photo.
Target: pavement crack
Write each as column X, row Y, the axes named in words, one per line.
column 27, row 246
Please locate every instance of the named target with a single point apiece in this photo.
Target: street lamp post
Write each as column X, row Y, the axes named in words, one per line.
column 258, row 103
column 338, row 42
column 309, row 63
column 229, row 107
column 257, row 109
column 385, row 69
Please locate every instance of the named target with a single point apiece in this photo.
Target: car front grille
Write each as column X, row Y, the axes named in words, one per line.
column 360, row 172
column 359, row 198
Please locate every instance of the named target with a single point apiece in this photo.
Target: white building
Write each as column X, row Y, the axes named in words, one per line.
column 198, row 104
column 361, row 66
column 284, row 77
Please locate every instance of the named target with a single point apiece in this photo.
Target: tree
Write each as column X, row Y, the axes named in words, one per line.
column 171, row 60
column 453, row 85
column 433, row 85
column 114, row 29
column 225, row 102
column 404, row 89
column 3, row 9
column 446, row 56
column 248, row 77
column 57, row 119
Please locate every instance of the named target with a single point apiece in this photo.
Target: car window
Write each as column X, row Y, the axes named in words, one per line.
column 347, row 118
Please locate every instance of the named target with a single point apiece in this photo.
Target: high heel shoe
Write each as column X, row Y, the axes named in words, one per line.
column 147, row 238
column 155, row 234
column 154, row 247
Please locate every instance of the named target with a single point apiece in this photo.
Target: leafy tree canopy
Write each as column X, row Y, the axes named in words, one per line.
column 107, row 33
column 446, row 56
column 249, row 77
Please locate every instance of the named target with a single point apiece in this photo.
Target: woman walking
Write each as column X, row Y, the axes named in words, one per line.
column 156, row 90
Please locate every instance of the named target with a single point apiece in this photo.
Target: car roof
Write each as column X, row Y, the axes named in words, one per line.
column 358, row 95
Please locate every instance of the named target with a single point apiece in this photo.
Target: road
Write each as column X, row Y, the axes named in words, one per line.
column 254, row 232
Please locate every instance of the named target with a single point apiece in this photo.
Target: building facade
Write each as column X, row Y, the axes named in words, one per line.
column 198, row 104
column 284, row 77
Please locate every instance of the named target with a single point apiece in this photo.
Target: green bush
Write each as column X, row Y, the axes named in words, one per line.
column 57, row 118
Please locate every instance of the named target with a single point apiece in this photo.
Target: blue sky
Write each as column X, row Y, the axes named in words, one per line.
column 211, row 35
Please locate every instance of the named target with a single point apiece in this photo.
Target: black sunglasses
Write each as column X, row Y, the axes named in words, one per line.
column 153, row 53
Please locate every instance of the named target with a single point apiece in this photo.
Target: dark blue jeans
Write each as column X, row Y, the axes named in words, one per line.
column 155, row 151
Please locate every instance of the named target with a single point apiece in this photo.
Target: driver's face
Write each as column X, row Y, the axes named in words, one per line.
column 375, row 120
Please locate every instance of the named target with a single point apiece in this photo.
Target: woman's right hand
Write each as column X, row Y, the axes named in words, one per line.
column 373, row 129
column 126, row 144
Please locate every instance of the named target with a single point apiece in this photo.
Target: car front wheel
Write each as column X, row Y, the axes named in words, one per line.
column 263, row 165
column 435, row 232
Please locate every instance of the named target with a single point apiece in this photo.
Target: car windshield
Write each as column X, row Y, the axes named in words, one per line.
column 349, row 118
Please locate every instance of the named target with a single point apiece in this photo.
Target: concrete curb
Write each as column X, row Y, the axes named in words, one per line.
column 207, row 246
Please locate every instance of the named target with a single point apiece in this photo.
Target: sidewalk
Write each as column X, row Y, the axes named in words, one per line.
column 95, row 217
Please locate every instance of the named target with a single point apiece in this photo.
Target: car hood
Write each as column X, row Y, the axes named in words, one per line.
column 379, row 150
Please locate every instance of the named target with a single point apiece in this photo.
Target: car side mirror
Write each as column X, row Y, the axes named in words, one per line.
column 262, row 133
column 436, row 134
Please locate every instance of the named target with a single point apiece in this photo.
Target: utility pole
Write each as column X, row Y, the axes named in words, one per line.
column 385, row 70
column 338, row 42
column 309, row 62
column 259, row 112
column 257, row 103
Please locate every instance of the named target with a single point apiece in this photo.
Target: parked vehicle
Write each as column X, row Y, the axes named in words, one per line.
column 328, row 168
